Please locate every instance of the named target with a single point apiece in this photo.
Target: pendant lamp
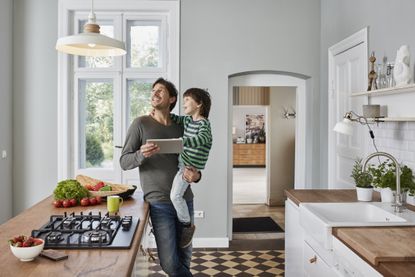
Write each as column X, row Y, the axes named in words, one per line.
column 91, row 42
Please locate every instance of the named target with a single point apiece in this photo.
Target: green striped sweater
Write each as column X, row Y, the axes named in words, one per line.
column 197, row 140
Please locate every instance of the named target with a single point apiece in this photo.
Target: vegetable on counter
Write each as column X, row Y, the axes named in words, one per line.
column 70, row 189
column 106, row 188
column 23, row 241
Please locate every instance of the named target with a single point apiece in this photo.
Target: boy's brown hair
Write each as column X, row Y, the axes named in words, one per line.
column 201, row 97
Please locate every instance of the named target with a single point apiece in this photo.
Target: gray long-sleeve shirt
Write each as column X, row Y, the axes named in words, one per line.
column 156, row 172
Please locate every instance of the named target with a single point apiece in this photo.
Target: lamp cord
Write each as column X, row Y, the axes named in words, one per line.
column 363, row 120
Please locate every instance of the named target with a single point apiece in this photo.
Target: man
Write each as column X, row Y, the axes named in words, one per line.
column 157, row 172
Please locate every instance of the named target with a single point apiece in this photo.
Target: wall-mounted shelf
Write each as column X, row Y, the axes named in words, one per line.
column 386, row 91
column 397, row 103
column 391, row 119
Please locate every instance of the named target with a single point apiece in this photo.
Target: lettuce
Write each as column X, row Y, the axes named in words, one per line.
column 68, row 189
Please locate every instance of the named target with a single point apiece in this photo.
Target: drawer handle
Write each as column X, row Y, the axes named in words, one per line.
column 313, row 259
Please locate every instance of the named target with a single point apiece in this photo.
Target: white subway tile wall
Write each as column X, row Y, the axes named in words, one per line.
column 396, row 138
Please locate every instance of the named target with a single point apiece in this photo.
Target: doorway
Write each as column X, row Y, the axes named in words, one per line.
column 263, row 137
column 300, row 84
column 250, row 113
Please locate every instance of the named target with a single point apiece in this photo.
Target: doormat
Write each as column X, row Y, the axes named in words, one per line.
column 255, row 224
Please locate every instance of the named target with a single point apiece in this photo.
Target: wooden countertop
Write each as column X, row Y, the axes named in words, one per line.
column 325, row 195
column 100, row 262
column 390, row 250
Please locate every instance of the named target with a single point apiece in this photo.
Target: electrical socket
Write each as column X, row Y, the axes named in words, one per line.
column 199, row 214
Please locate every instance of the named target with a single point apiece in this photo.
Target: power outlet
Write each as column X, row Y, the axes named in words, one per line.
column 199, row 214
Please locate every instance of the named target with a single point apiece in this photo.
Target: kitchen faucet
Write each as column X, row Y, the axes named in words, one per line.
column 398, row 202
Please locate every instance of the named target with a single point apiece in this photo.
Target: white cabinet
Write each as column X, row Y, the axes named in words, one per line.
column 293, row 241
column 305, row 256
column 314, row 265
column 347, row 263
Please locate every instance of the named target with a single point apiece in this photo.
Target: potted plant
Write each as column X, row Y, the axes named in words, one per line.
column 363, row 181
column 384, row 177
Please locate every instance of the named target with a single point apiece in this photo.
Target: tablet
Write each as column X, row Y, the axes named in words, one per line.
column 168, row 146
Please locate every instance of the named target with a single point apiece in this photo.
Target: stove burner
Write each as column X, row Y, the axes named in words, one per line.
column 88, row 231
column 68, row 222
column 106, row 222
column 55, row 237
column 95, row 236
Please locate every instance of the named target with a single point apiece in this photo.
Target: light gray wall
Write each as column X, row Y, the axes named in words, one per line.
column 391, row 24
column 219, row 38
column 281, row 143
column 34, row 101
column 6, row 11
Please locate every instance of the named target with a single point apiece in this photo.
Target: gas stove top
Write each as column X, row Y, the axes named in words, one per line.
column 86, row 231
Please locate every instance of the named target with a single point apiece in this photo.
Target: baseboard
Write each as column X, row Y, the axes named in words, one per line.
column 211, row 242
column 150, row 242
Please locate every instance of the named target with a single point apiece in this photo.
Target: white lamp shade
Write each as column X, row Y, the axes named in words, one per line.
column 91, row 44
column 344, row 127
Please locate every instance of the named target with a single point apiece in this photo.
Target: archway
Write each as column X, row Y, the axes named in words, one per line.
column 303, row 131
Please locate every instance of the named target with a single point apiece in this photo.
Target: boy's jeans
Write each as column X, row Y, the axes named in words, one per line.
column 178, row 189
column 175, row 261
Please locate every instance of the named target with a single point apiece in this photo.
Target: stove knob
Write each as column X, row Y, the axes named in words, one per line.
column 126, row 225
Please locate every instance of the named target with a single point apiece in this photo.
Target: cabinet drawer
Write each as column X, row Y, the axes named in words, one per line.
column 314, row 265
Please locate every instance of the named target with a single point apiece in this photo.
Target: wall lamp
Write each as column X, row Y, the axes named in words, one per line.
column 345, row 126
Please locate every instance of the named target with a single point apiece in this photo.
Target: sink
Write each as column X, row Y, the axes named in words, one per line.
column 319, row 218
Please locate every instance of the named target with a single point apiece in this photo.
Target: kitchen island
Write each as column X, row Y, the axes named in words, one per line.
column 85, row 262
column 381, row 251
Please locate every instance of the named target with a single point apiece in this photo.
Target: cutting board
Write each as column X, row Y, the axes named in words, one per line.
column 380, row 244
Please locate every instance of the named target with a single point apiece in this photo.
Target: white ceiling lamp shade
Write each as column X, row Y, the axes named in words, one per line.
column 91, row 42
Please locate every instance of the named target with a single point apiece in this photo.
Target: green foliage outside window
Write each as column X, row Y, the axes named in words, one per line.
column 140, row 104
column 99, row 123
column 94, row 153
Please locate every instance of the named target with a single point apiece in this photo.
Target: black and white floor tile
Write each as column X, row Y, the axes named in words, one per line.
column 221, row 263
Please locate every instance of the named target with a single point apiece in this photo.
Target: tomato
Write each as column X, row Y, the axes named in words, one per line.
column 98, row 186
column 89, row 187
column 57, row 203
column 66, row 203
column 73, row 202
column 99, row 199
column 92, row 201
column 85, row 201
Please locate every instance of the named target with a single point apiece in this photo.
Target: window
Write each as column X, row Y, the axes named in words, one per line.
column 103, row 95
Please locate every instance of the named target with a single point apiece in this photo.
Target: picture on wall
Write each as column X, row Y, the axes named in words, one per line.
column 253, row 125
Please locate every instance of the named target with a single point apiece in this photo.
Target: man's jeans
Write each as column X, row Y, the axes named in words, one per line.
column 175, row 261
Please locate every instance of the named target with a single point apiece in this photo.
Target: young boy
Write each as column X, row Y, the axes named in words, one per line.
column 197, row 141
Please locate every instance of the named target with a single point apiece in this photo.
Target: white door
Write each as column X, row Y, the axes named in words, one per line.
column 347, row 74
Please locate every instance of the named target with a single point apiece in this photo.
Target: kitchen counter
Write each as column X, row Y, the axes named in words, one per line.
column 390, row 250
column 91, row 262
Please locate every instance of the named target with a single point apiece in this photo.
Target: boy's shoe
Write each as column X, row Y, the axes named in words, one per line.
column 187, row 236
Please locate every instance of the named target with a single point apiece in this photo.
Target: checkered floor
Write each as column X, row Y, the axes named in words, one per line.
column 221, row 263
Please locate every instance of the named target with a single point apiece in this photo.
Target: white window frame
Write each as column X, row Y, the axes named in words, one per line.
column 66, row 64
column 163, row 41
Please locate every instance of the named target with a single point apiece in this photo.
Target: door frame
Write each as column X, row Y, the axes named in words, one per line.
column 303, row 129
column 360, row 37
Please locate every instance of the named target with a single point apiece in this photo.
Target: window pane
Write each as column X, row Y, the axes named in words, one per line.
column 106, row 28
column 139, row 93
column 143, row 44
column 96, row 121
